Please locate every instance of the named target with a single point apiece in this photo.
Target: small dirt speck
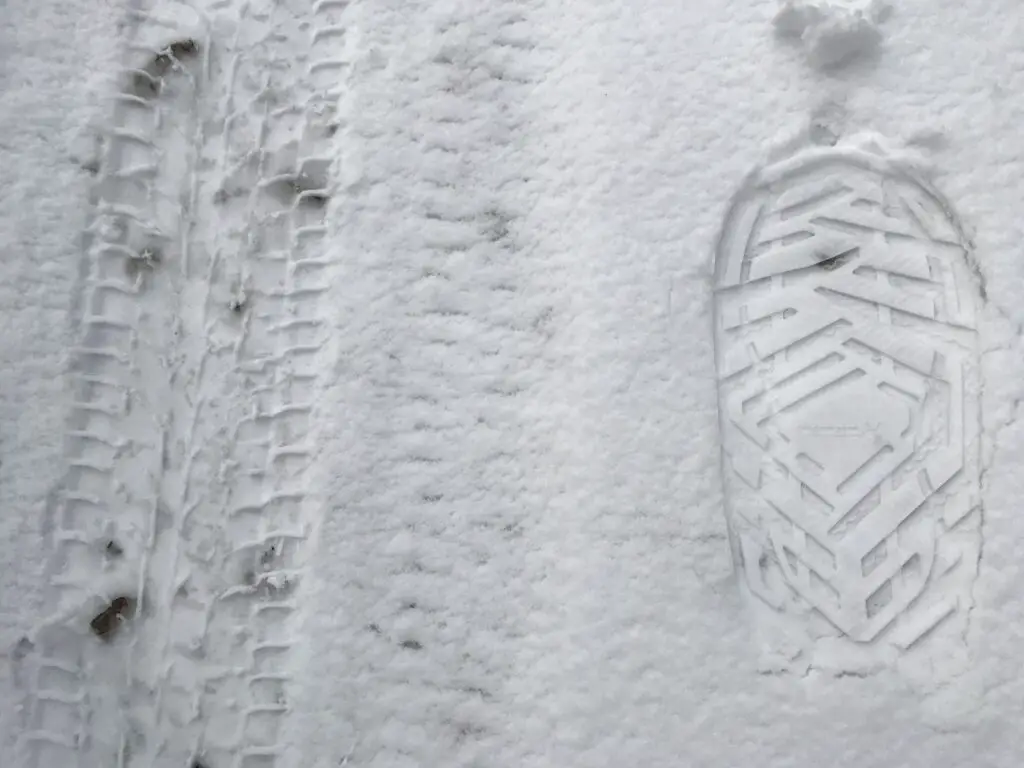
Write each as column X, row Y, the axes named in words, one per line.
column 412, row 645
column 143, row 261
column 106, row 623
column 114, row 549
column 834, row 262
column 178, row 51
column 183, row 48
column 267, row 558
column 147, row 82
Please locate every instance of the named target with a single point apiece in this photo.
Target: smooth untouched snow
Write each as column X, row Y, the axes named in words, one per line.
column 389, row 388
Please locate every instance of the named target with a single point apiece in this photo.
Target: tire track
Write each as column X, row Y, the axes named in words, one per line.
column 107, row 505
column 196, row 378
column 222, row 696
column 440, row 323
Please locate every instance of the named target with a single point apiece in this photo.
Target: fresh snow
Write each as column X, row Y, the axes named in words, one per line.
column 361, row 379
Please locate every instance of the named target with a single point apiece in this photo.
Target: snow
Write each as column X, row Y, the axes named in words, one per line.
column 481, row 523
column 832, row 33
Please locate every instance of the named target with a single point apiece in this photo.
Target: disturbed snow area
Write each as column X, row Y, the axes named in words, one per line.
column 833, row 33
column 395, row 440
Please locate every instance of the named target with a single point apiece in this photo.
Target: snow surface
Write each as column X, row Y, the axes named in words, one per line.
column 514, row 551
column 832, row 33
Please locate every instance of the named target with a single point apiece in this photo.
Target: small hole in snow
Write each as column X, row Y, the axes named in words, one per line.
column 22, row 648
column 879, row 599
column 314, row 199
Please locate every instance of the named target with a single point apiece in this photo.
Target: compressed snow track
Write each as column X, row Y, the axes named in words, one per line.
column 445, row 312
column 107, row 507
column 202, row 334
column 849, row 381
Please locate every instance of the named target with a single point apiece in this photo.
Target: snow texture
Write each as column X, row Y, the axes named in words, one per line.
column 359, row 401
column 885, row 564
column 833, row 33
